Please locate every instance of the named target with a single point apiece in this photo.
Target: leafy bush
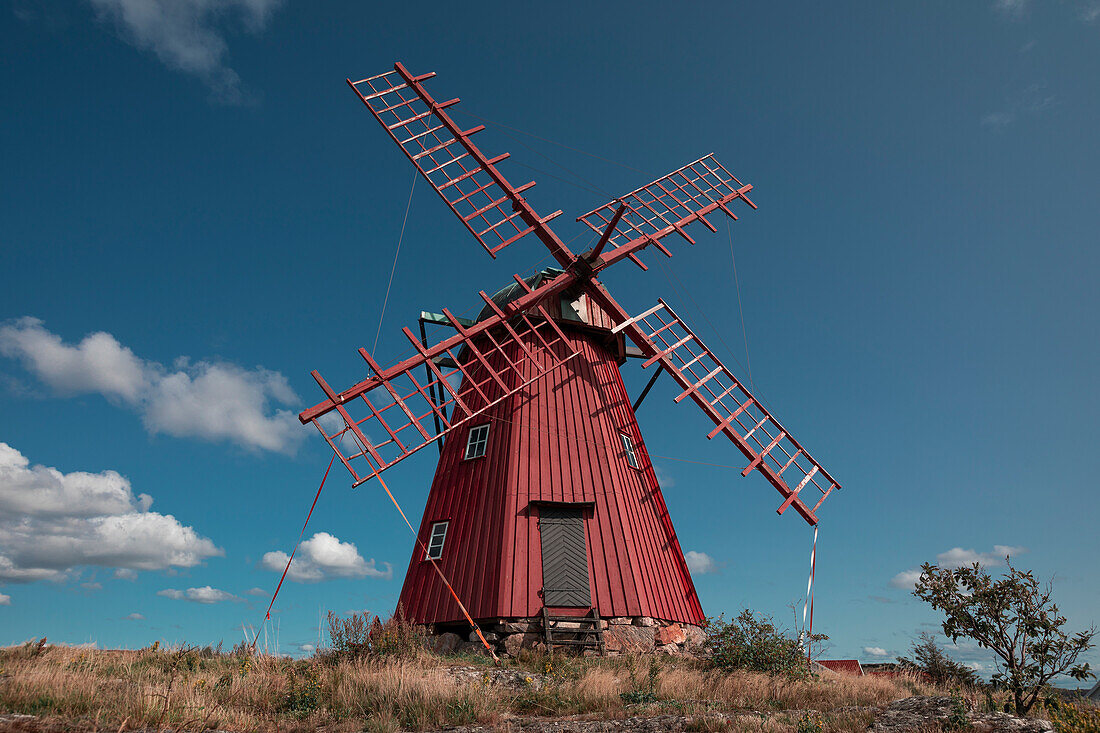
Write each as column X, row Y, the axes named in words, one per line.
column 1069, row 717
column 811, row 723
column 361, row 635
column 755, row 643
column 930, row 659
column 304, row 693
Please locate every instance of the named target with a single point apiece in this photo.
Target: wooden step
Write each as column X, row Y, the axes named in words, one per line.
column 590, row 637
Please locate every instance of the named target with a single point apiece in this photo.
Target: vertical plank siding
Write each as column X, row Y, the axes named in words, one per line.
column 555, row 441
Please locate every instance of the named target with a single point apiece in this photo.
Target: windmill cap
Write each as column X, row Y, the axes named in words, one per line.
column 512, row 291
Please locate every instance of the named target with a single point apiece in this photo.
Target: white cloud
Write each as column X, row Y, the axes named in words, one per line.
column 664, row 479
column 205, row 595
column 92, row 586
column 5, row 600
column 875, row 651
column 189, row 35
column 134, row 617
column 256, row 592
column 52, row 522
column 1029, row 101
column 125, row 574
column 208, row 400
column 308, row 648
column 956, row 558
column 700, row 563
column 1013, row 8
column 998, row 119
column 99, row 363
column 906, row 579
column 322, row 557
column 224, row 402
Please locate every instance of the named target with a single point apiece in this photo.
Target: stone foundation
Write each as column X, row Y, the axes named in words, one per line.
column 621, row 635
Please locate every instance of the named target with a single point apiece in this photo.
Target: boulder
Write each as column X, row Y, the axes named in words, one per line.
column 472, row 647
column 514, row 642
column 621, row 620
column 489, row 637
column 926, row 713
column 629, row 639
column 670, row 635
column 645, row 621
column 444, row 643
column 695, row 635
column 513, row 627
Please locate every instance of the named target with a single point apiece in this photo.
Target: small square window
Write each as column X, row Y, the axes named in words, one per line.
column 628, row 446
column 476, row 441
column 436, row 539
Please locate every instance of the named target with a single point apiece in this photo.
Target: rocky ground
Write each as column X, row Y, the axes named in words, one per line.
column 911, row 714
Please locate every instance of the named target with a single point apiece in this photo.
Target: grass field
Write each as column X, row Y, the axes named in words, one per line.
column 181, row 689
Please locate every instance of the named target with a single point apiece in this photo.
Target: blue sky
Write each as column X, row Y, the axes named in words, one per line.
column 197, row 211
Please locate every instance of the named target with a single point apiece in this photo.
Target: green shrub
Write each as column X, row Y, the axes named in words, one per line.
column 933, row 661
column 304, row 693
column 755, row 644
column 1069, row 717
column 362, row 635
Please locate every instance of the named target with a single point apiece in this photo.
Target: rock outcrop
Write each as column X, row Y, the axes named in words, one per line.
column 921, row 713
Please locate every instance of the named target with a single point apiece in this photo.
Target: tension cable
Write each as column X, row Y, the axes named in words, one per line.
column 267, row 616
column 393, row 269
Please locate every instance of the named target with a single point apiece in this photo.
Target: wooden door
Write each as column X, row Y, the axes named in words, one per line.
column 564, row 557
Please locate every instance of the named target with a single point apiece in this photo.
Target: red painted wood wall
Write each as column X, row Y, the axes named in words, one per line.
column 558, row 441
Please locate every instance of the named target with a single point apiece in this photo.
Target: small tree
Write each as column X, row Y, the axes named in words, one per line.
column 1012, row 617
column 932, row 660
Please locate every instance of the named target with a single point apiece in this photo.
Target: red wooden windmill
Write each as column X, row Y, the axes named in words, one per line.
column 544, row 504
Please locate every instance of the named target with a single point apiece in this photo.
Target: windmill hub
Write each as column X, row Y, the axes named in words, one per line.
column 545, row 522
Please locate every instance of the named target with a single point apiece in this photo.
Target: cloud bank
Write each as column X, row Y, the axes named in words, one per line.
column 323, row 557
column 957, row 557
column 189, row 35
column 211, row 401
column 52, row 522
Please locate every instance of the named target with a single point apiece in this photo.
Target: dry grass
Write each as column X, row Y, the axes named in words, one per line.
column 181, row 690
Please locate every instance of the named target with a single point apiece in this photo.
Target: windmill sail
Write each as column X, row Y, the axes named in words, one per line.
column 668, row 204
column 391, row 415
column 665, row 339
column 468, row 181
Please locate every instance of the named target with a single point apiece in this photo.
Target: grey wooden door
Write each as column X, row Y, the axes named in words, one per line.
column 564, row 557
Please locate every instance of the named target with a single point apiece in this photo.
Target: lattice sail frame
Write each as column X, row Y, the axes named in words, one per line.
column 498, row 215
column 467, row 181
column 472, row 371
column 667, row 205
column 736, row 413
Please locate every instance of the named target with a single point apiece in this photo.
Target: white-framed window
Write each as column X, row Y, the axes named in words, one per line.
column 436, row 540
column 628, row 446
column 476, row 440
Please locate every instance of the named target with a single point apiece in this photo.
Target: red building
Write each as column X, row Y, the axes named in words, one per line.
column 843, row 666
column 549, row 500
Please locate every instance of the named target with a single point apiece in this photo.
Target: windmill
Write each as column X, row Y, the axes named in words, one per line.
column 545, row 520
